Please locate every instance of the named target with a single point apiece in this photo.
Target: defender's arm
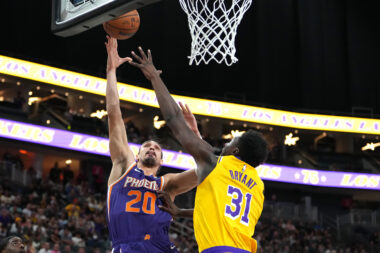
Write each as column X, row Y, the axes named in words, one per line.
column 199, row 149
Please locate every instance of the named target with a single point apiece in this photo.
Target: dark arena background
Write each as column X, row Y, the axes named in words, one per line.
column 308, row 78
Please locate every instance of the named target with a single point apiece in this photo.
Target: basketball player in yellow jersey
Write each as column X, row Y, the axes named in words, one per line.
column 229, row 198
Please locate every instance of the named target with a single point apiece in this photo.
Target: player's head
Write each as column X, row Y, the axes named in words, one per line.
column 12, row 244
column 150, row 155
column 251, row 147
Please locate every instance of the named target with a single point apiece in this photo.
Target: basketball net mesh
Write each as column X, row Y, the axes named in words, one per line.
column 213, row 28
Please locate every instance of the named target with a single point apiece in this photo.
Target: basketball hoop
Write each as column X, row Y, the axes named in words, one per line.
column 213, row 28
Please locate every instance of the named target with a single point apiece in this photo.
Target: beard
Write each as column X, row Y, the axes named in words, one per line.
column 149, row 162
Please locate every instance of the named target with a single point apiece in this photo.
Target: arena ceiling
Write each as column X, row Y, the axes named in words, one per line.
column 316, row 56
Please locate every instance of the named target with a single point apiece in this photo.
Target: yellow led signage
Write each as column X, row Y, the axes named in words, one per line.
column 86, row 83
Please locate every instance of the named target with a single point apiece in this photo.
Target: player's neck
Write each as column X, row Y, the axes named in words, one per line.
column 148, row 171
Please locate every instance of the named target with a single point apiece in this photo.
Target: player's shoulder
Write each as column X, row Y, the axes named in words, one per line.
column 119, row 171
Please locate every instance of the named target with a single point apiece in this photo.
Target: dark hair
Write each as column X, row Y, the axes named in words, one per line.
column 253, row 148
column 4, row 242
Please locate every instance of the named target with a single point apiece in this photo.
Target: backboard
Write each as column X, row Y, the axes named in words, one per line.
column 70, row 17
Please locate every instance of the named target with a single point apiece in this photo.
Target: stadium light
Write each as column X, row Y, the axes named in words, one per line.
column 31, row 100
column 99, row 114
column 234, row 133
column 290, row 140
column 371, row 146
column 158, row 123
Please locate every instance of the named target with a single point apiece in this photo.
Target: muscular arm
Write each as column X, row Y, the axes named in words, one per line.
column 121, row 155
column 178, row 183
column 199, row 149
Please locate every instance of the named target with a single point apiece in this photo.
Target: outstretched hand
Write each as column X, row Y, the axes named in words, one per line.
column 145, row 64
column 189, row 118
column 168, row 204
column 114, row 60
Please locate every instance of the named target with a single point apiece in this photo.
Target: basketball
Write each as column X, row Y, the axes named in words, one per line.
column 124, row 26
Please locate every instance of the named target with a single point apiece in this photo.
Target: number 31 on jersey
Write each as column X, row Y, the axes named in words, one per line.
column 234, row 210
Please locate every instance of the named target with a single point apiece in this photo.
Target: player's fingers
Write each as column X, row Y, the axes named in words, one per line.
column 164, row 197
column 164, row 208
column 162, row 194
column 188, row 108
column 142, row 53
column 135, row 64
column 159, row 72
column 111, row 41
column 150, row 56
column 125, row 59
column 182, row 107
column 136, row 56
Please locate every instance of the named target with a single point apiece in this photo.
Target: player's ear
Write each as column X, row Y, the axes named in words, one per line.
column 235, row 151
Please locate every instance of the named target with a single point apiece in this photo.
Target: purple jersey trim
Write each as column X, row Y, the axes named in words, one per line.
column 223, row 249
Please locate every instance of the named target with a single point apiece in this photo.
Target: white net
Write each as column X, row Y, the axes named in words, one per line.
column 213, row 25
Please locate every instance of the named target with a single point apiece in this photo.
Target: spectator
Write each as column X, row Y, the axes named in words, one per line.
column 67, row 249
column 3, row 231
column 73, row 209
column 78, row 240
column 55, row 248
column 81, row 250
column 54, row 173
column 66, row 236
column 5, row 218
column 45, row 248
column 29, row 247
column 68, row 174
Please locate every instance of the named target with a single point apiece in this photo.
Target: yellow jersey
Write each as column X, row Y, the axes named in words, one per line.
column 228, row 204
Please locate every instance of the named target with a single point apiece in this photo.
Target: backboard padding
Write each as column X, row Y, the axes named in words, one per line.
column 93, row 13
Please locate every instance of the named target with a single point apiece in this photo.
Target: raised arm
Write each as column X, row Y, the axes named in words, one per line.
column 178, row 183
column 199, row 149
column 121, row 155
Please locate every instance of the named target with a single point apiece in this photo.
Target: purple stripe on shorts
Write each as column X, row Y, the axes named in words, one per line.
column 224, row 249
